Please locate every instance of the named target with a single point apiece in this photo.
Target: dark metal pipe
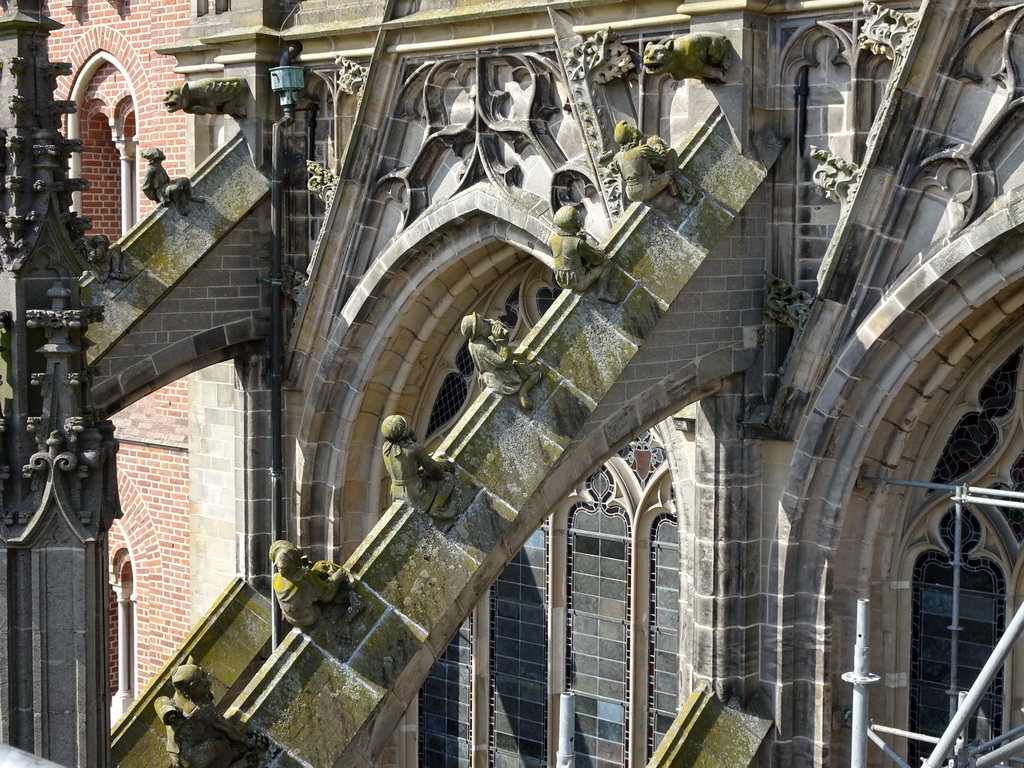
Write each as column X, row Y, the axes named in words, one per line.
column 277, row 333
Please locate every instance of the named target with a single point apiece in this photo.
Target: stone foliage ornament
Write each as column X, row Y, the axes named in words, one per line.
column 601, row 58
column 837, row 178
column 350, row 77
column 417, row 478
column 578, row 265
column 501, row 369
column 158, row 187
column 886, row 31
column 786, row 303
column 216, row 96
column 704, row 56
column 302, row 588
column 198, row 736
column 648, row 166
column 322, row 182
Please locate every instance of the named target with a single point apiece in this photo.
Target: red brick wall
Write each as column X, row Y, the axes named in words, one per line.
column 131, row 39
column 153, row 477
column 101, row 165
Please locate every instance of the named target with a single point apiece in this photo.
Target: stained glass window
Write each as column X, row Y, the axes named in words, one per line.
column 663, row 664
column 598, row 619
column 519, row 660
column 976, row 435
column 445, row 706
column 982, row 616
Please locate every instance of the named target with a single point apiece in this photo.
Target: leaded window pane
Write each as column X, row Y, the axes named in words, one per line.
column 982, row 616
column 597, row 638
column 663, row 654
column 445, row 706
column 519, row 660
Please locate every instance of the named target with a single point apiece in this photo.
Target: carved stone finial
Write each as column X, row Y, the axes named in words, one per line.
column 786, row 303
column 302, row 588
column 578, row 265
column 886, row 31
column 837, row 178
column 704, row 56
column 158, row 187
column 198, row 736
column 417, row 478
column 602, row 58
column 501, row 369
column 217, row 96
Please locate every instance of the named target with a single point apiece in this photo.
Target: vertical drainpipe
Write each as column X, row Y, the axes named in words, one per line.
column 277, row 332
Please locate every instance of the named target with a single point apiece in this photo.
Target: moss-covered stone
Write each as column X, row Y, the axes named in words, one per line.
column 225, row 642
column 708, row 734
column 162, row 248
column 312, row 703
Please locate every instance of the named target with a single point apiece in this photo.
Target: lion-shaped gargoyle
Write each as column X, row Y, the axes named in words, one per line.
column 216, row 96
column 702, row 56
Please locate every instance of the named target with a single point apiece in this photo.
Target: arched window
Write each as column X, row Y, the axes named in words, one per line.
column 564, row 617
column 123, row 657
column 983, row 447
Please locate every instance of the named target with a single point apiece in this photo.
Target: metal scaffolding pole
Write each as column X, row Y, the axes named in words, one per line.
column 861, row 679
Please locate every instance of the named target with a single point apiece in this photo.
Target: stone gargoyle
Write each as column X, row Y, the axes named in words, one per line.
column 704, row 56
column 216, row 96
column 417, row 478
column 198, row 736
column 302, row 588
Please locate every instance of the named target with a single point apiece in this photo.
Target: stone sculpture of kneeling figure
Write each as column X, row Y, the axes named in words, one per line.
column 303, row 588
column 158, row 187
column 417, row 478
column 578, row 265
column 501, row 369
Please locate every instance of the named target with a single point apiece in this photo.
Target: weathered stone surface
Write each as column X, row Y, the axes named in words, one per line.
column 708, row 734
column 225, row 643
column 163, row 247
column 412, row 569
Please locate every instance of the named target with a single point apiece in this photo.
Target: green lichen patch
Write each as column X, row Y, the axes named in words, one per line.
column 419, row 571
column 310, row 702
column 587, row 350
column 660, row 261
column 224, row 642
column 386, row 650
column 509, row 453
column 708, row 734
column 706, row 223
column 637, row 315
column 342, row 627
column 481, row 525
column 722, row 173
column 565, row 410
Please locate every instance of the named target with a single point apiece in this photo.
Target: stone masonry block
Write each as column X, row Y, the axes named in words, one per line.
column 412, row 565
column 313, row 703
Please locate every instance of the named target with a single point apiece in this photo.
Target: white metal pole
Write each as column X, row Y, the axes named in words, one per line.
column 566, row 730
column 954, row 623
column 977, row 692
column 861, row 679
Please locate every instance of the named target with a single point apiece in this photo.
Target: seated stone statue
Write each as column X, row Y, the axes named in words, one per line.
column 417, row 478
column 198, row 736
column 578, row 265
column 158, row 187
column 302, row 587
column 648, row 167
column 501, row 370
